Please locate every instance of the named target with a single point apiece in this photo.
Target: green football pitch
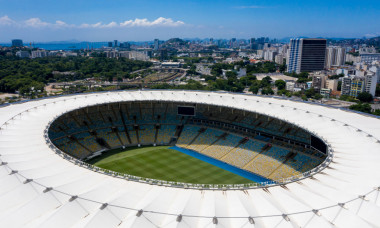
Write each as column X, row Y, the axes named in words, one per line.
column 165, row 164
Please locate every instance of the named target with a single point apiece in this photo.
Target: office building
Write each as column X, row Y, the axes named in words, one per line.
column 156, row 44
column 233, row 43
column 17, row 43
column 252, row 43
column 115, row 43
column 306, row 55
column 109, row 44
column 163, row 54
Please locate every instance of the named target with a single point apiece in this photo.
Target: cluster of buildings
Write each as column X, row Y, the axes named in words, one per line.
column 44, row 53
column 358, row 65
column 362, row 77
column 313, row 56
column 135, row 55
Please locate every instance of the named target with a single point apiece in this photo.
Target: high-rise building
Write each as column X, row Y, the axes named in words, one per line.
column 17, row 43
column 125, row 45
column 252, row 43
column 156, row 44
column 109, row 44
column 346, row 85
column 163, row 54
column 233, row 43
column 357, row 86
column 115, row 43
column 335, row 56
column 376, row 70
column 319, row 82
column 279, row 59
column 306, row 55
column 219, row 43
column 370, row 83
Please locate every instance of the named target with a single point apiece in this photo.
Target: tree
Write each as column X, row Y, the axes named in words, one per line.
column 280, row 84
column 231, row 74
column 361, row 107
column 267, row 91
column 376, row 112
column 339, row 88
column 255, row 87
column 365, row 97
column 377, row 93
column 265, row 82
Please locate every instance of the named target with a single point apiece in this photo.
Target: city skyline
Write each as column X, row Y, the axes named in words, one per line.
column 100, row 20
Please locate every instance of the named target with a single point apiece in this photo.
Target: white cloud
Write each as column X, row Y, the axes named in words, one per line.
column 110, row 25
column 5, row 20
column 370, row 35
column 38, row 23
column 161, row 21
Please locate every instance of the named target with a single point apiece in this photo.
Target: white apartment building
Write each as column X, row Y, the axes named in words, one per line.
column 335, row 57
column 370, row 83
column 39, row 54
column 279, row 59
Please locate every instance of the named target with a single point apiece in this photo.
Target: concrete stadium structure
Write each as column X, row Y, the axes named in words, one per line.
column 40, row 186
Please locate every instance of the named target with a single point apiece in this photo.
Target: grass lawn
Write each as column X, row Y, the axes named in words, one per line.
column 165, row 164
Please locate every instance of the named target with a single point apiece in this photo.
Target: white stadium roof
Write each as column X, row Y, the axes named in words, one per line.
column 39, row 188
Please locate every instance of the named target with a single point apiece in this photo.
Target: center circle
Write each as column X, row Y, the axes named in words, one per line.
column 187, row 142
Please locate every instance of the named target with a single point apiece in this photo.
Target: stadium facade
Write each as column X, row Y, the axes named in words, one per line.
column 43, row 187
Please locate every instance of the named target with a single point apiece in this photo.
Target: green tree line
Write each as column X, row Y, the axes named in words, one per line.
column 22, row 74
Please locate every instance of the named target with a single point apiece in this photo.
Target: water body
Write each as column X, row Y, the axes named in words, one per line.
column 220, row 164
column 65, row 46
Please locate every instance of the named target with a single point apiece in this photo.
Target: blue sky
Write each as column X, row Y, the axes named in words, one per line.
column 126, row 20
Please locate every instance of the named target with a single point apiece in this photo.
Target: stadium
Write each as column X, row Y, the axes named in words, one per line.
column 155, row 158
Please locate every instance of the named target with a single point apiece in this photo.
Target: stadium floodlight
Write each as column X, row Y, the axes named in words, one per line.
column 73, row 198
column 251, row 220
column 315, row 211
column 13, row 172
column 139, row 213
column 286, row 217
column 47, row 189
column 104, row 205
column 27, row 181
